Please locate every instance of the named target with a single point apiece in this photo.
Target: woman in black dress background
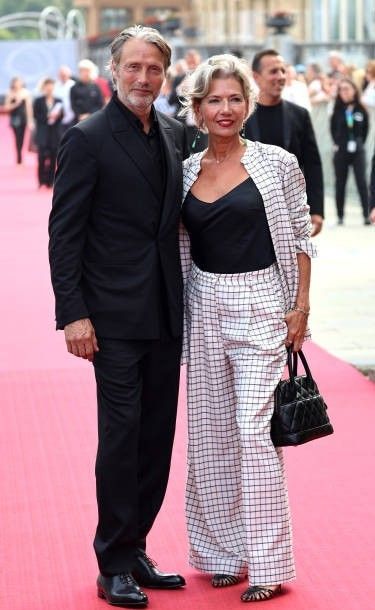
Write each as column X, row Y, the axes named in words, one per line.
column 18, row 105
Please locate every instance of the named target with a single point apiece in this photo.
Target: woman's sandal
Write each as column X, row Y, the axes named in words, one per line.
column 259, row 594
column 224, row 580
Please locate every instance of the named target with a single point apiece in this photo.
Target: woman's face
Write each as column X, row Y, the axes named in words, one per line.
column 48, row 89
column 347, row 92
column 16, row 84
column 370, row 72
column 224, row 108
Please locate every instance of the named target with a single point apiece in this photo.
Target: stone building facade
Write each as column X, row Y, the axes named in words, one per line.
column 236, row 21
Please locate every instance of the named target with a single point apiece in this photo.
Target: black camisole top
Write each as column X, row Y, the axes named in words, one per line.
column 231, row 234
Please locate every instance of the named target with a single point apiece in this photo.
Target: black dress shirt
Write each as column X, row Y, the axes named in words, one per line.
column 151, row 143
column 271, row 124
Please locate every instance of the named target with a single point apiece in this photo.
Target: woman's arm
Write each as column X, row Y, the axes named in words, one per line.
column 10, row 105
column 295, row 196
column 334, row 127
column 296, row 319
column 365, row 124
column 29, row 111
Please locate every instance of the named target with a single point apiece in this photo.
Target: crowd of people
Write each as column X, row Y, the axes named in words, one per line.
column 339, row 127
column 58, row 104
column 340, row 102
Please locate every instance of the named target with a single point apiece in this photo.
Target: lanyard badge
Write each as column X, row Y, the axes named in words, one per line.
column 351, row 145
column 349, row 118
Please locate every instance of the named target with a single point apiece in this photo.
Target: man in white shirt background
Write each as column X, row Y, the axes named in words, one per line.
column 63, row 85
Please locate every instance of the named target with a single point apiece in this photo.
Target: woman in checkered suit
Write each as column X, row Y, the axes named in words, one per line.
column 245, row 252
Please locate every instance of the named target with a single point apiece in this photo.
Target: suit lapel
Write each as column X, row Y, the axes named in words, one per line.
column 127, row 137
column 287, row 125
column 168, row 144
column 252, row 128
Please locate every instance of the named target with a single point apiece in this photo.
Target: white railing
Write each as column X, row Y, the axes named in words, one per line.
column 50, row 23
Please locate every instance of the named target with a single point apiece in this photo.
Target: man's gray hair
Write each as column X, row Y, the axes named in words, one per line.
column 141, row 32
column 199, row 82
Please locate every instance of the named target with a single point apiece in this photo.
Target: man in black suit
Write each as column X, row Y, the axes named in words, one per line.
column 116, row 275
column 287, row 125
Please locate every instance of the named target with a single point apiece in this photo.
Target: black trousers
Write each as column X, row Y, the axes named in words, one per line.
column 137, row 392
column 46, row 165
column 342, row 161
column 19, row 136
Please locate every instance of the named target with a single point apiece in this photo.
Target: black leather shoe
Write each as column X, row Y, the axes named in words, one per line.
column 147, row 575
column 121, row 590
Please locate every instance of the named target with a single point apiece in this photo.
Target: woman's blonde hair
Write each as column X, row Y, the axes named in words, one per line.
column 198, row 84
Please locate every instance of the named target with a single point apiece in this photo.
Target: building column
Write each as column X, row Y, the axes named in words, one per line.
column 325, row 21
column 232, row 8
column 343, row 19
column 245, row 22
column 221, row 26
column 360, row 20
column 211, row 21
column 138, row 15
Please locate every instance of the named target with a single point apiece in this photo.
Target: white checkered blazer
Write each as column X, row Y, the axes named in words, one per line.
column 281, row 183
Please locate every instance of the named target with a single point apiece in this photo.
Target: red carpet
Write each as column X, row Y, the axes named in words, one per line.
column 47, row 450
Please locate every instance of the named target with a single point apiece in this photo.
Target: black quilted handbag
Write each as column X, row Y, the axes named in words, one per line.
column 300, row 413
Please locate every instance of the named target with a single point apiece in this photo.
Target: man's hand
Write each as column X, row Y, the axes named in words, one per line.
column 372, row 216
column 80, row 339
column 317, row 224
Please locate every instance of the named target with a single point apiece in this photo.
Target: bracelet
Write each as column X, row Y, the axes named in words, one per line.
column 306, row 313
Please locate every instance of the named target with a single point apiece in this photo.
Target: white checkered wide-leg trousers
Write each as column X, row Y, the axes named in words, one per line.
column 237, row 503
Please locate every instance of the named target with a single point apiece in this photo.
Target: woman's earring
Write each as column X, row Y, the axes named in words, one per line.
column 242, row 130
column 198, row 134
column 197, row 137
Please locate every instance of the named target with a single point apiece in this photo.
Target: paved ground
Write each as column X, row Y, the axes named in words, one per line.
column 343, row 288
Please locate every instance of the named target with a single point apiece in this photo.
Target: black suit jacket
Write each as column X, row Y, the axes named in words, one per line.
column 339, row 129
column 46, row 136
column 299, row 139
column 113, row 243
column 85, row 98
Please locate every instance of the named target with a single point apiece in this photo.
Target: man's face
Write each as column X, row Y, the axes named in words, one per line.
column 139, row 75
column 271, row 77
column 192, row 59
column 84, row 75
column 334, row 62
column 64, row 75
column 48, row 89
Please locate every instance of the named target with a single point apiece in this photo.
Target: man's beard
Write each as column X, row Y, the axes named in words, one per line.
column 139, row 102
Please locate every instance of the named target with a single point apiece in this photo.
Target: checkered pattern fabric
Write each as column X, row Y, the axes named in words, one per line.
column 237, row 506
column 281, row 183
